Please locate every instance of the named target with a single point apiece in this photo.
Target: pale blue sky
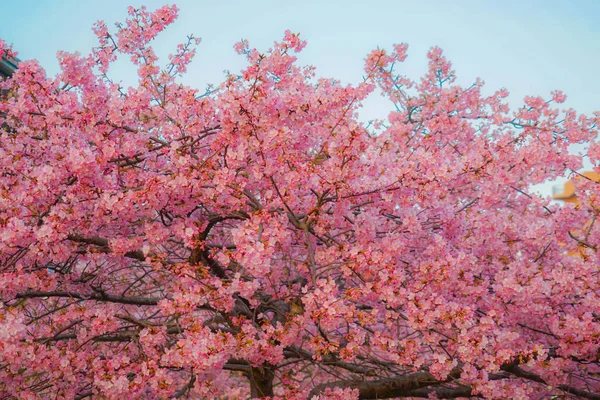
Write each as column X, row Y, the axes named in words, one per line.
column 529, row 47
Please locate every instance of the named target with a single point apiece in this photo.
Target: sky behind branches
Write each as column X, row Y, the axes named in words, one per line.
column 529, row 47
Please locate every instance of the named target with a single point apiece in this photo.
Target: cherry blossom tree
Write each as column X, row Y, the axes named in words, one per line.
column 259, row 240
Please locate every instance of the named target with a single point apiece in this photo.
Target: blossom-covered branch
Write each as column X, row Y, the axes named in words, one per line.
column 258, row 239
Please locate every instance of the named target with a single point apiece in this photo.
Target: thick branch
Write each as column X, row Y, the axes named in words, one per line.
column 442, row 392
column 521, row 373
column 423, row 384
column 261, row 382
column 201, row 254
column 381, row 389
column 103, row 243
column 104, row 297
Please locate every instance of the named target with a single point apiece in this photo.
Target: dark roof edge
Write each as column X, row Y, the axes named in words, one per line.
column 8, row 66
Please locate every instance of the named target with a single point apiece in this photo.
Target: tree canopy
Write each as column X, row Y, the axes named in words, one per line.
column 260, row 240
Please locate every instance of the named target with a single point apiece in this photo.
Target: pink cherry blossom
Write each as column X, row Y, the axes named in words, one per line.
column 260, row 241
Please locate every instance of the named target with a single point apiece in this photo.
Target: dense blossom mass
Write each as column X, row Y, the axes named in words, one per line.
column 259, row 240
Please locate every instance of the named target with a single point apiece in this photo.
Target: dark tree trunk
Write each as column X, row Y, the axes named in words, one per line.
column 261, row 382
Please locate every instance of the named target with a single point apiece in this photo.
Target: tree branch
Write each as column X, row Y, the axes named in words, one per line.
column 186, row 387
column 103, row 297
column 516, row 371
column 442, row 392
column 103, row 243
column 294, row 352
column 423, row 384
column 383, row 388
